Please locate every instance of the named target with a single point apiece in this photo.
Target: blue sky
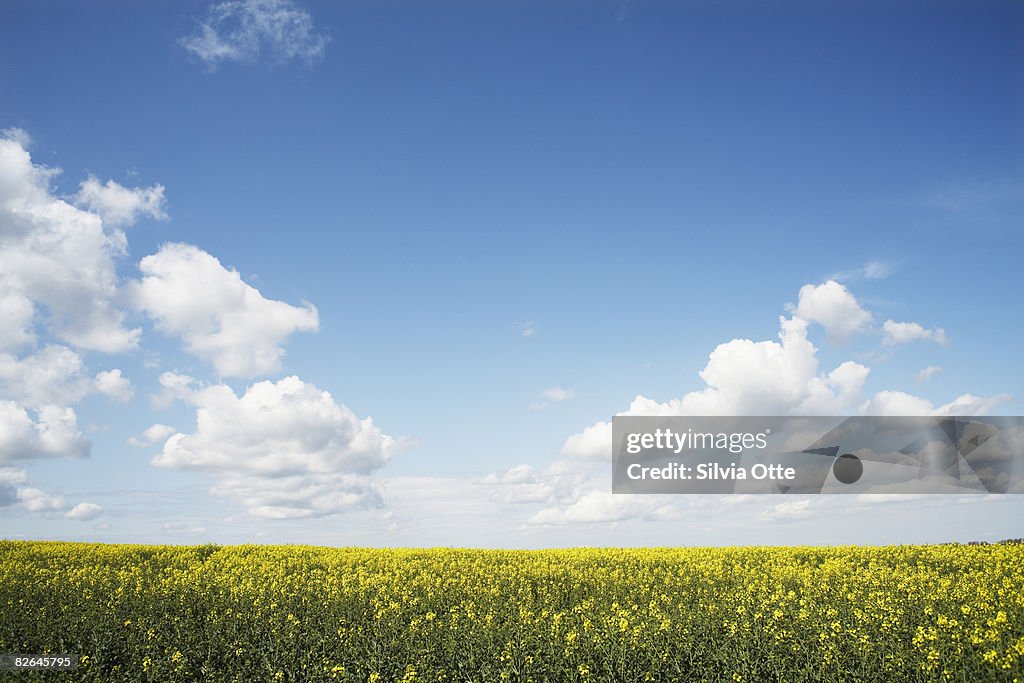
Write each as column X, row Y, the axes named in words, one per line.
column 490, row 228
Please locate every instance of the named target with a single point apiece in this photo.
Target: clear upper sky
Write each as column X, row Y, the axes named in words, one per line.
column 489, row 227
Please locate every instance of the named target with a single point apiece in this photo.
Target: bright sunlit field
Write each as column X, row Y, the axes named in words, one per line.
column 298, row 613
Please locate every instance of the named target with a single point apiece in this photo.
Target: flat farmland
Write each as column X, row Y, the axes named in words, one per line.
column 300, row 613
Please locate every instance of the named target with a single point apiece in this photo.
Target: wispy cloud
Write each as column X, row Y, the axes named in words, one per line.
column 975, row 198
column 552, row 395
column 527, row 328
column 247, row 30
column 872, row 270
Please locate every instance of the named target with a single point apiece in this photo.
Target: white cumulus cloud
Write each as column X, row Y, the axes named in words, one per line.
column 53, row 375
column 742, row 377
column 833, row 307
column 35, row 500
column 58, row 256
column 284, row 449
column 174, row 387
column 151, row 435
column 901, row 333
column 84, row 512
column 218, row 316
column 52, row 432
column 899, row 403
column 12, row 475
column 56, row 375
column 58, row 283
column 594, row 441
column 36, row 419
column 16, row 314
column 118, row 205
column 16, row 495
column 112, row 384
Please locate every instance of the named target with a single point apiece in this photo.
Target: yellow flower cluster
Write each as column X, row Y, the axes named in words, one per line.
column 299, row 613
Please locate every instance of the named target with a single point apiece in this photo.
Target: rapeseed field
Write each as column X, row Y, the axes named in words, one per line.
column 299, row 613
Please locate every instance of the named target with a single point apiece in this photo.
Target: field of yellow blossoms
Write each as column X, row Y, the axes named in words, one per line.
column 298, row 613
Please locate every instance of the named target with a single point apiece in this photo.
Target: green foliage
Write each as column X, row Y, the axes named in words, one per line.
column 296, row 613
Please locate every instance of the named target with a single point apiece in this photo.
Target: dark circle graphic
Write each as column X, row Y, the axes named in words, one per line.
column 847, row 468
